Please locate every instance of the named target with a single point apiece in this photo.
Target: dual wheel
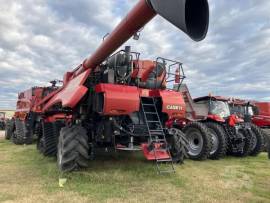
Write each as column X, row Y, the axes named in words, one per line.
column 209, row 140
column 205, row 140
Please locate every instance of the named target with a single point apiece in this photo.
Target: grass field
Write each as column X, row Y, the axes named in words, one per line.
column 27, row 176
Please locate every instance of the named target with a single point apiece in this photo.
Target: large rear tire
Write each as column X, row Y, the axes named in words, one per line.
column 259, row 142
column 199, row 140
column 73, row 148
column 219, row 140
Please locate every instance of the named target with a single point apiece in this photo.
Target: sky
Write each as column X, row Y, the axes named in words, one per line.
column 41, row 40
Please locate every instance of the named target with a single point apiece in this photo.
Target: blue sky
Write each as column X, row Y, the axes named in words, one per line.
column 41, row 40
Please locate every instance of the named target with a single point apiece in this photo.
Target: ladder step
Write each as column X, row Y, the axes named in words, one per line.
column 148, row 105
column 164, row 160
column 152, row 121
column 151, row 113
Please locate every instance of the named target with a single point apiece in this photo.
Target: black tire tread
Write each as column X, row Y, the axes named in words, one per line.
column 21, row 135
column 260, row 140
column 222, row 148
column 73, row 142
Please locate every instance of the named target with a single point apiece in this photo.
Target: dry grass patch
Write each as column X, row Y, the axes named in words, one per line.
column 27, row 176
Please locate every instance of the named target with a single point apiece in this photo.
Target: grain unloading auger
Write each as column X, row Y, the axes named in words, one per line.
column 119, row 101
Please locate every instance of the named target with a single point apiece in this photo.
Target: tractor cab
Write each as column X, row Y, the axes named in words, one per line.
column 243, row 109
column 218, row 107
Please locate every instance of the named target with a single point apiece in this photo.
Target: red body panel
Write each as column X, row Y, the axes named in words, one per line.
column 27, row 101
column 71, row 94
column 173, row 104
column 119, row 99
column 264, row 108
column 261, row 121
column 123, row 100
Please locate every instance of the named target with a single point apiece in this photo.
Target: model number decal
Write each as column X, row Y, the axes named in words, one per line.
column 174, row 107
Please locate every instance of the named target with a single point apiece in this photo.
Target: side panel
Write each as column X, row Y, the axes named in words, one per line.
column 264, row 108
column 173, row 104
column 261, row 121
column 119, row 99
column 71, row 94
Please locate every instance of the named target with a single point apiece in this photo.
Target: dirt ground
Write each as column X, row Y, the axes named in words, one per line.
column 2, row 134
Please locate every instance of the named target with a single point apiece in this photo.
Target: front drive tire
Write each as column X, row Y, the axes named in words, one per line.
column 218, row 136
column 199, row 140
column 73, row 148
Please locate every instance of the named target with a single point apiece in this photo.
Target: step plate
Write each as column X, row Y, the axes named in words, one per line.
column 161, row 154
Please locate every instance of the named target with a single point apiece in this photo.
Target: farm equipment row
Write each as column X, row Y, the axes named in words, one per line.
column 118, row 101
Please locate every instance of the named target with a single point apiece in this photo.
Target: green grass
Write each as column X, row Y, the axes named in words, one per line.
column 27, row 176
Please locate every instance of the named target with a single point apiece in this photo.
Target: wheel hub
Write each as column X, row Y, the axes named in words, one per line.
column 195, row 141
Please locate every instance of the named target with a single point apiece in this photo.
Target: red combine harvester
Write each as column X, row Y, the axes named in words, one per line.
column 119, row 101
column 228, row 132
column 26, row 120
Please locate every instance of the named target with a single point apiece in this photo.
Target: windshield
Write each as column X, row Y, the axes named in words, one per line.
column 220, row 108
column 250, row 111
column 238, row 110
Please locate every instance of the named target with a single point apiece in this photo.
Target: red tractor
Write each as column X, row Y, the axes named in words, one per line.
column 26, row 120
column 2, row 120
column 118, row 101
column 250, row 112
column 228, row 132
column 246, row 110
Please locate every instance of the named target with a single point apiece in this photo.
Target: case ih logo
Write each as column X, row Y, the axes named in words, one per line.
column 174, row 107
